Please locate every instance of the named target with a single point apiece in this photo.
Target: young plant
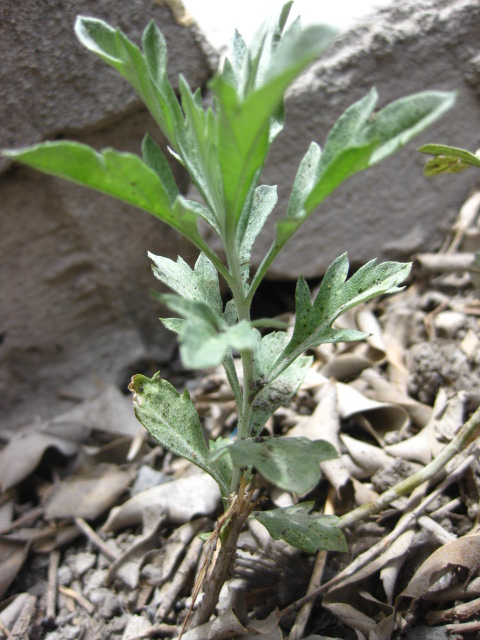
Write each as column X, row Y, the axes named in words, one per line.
column 224, row 148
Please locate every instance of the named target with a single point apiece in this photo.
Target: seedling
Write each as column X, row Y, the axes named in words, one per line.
column 224, row 148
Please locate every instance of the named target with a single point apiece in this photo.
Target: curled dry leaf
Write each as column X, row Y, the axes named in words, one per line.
column 180, row 500
column 227, row 625
column 440, row 569
column 358, row 608
column 87, row 496
column 12, row 556
column 21, row 456
column 367, row 458
column 127, row 566
column 382, row 416
column 447, row 418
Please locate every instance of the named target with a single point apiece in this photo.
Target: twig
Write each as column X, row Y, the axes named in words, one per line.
column 186, row 567
column 4, row 630
column 87, row 530
column 405, row 487
column 460, row 612
column 368, row 556
column 27, row 517
column 162, row 630
column 446, row 262
column 463, row 627
column 78, row 597
column 52, row 584
column 298, row 628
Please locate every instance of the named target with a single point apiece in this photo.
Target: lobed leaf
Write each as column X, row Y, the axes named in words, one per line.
column 146, row 73
column 121, row 175
column 262, row 204
column 205, row 338
column 359, row 139
column 303, row 530
column 289, row 463
column 250, row 106
column 313, row 322
column 172, row 420
column 200, row 284
column 279, row 391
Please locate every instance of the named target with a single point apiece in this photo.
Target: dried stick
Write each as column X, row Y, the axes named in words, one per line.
column 52, row 584
column 297, row 630
column 461, row 612
column 87, row 530
column 405, row 487
column 368, row 556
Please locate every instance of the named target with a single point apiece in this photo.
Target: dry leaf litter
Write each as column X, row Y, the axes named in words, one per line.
column 99, row 527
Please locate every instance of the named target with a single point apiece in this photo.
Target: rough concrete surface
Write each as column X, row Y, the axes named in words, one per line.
column 76, row 312
column 391, row 210
column 74, row 275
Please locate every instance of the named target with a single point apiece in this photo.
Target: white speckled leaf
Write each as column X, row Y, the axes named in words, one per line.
column 278, row 392
column 200, row 284
column 173, row 421
column 301, row 529
column 313, row 322
column 290, row 463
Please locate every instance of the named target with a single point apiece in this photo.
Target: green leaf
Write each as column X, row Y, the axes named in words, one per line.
column 200, row 284
column 205, row 338
column 264, row 200
column 289, row 463
column 278, row 392
column 223, row 464
column 154, row 158
column 303, row 530
column 248, row 113
column 121, row 175
column 173, row 421
column 313, row 322
column 359, row 139
column 147, row 74
column 200, row 150
column 448, row 159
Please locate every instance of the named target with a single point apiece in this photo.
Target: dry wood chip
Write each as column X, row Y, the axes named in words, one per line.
column 181, row 578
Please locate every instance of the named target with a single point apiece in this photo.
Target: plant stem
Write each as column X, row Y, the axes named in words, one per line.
column 241, row 508
column 406, row 486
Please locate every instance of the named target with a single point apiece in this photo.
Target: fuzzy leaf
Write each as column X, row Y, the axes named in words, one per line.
column 359, row 139
column 289, row 463
column 200, row 284
column 301, row 529
column 278, row 392
column 448, row 159
column 264, row 200
column 313, row 322
column 146, row 73
column 121, row 175
column 154, row 158
column 173, row 421
column 206, row 338
column 248, row 114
